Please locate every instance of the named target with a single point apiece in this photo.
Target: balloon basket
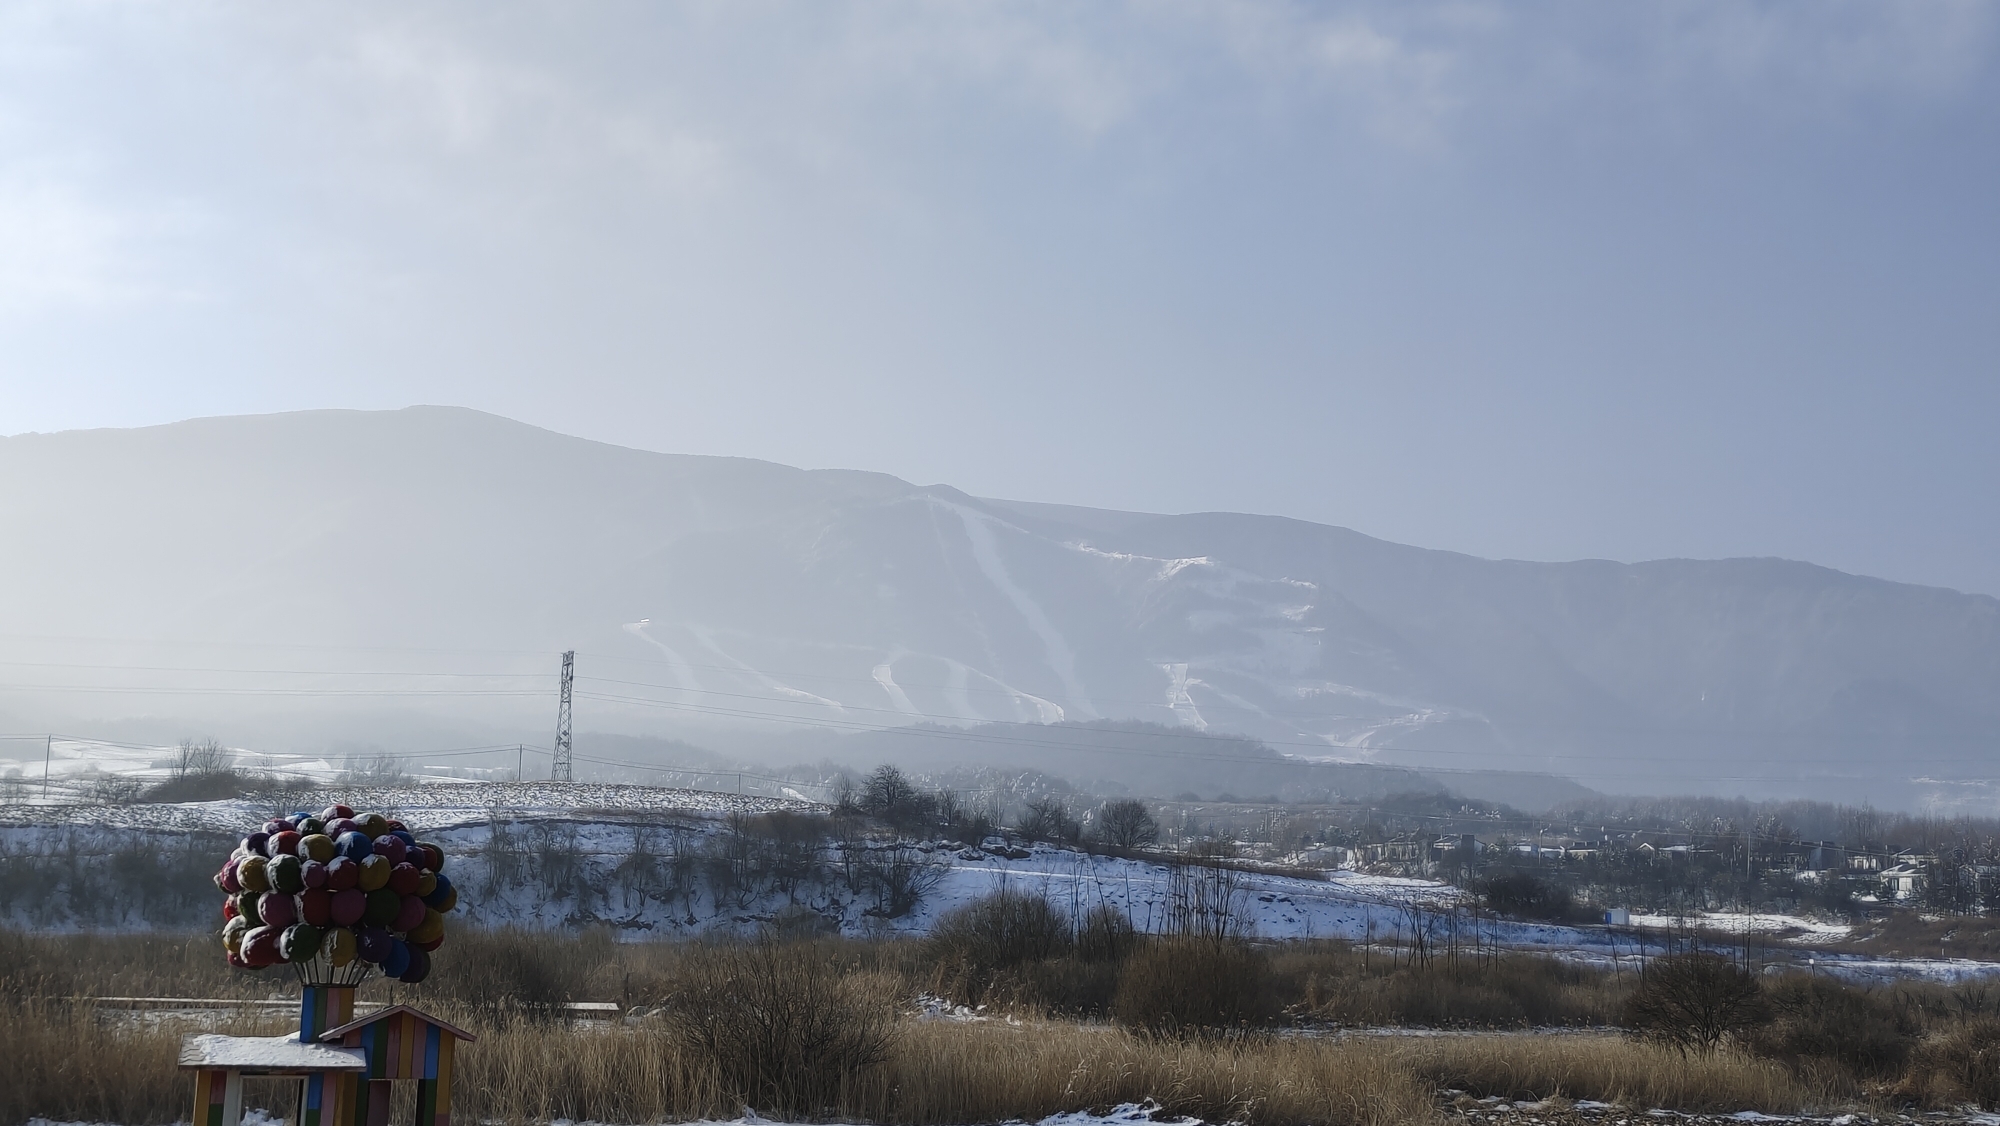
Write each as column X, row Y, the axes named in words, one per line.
column 320, row 970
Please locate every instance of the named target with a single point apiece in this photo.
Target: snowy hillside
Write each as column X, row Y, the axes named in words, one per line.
column 406, row 579
column 657, row 863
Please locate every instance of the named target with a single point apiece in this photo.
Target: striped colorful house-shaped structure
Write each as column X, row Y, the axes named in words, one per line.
column 396, row 1043
column 344, row 1066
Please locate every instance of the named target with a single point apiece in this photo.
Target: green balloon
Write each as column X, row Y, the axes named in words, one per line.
column 246, row 908
column 299, row 942
column 285, row 875
column 383, row 907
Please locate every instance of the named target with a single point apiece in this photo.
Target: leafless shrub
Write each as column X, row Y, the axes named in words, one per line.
column 786, row 1031
column 1694, row 1001
column 899, row 878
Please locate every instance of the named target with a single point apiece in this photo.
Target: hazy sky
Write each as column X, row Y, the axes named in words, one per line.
column 1542, row 280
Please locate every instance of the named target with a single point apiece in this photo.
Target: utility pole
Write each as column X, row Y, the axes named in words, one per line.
column 520, row 762
column 559, row 771
column 48, row 752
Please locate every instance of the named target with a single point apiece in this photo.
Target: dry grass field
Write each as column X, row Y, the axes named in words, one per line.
column 831, row 1032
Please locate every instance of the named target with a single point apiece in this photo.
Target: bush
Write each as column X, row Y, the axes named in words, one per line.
column 1001, row 930
column 1192, row 986
column 1816, row 1020
column 1694, row 1001
column 1522, row 895
column 1959, row 1066
column 787, row 1031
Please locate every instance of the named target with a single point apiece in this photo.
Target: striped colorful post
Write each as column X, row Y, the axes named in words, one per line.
column 218, row 1098
column 323, row 1007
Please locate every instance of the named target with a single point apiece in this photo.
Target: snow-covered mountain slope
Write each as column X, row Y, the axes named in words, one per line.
column 300, row 557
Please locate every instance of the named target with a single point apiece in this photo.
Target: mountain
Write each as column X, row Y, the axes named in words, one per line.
column 412, row 574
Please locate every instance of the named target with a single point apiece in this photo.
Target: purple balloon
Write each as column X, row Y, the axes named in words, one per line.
column 276, row 825
column 313, row 873
column 340, row 825
column 254, row 843
column 277, row 910
column 375, row 944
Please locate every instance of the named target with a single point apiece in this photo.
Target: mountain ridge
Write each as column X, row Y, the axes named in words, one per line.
column 441, row 527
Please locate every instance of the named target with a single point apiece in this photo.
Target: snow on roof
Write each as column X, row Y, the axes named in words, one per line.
column 267, row 1053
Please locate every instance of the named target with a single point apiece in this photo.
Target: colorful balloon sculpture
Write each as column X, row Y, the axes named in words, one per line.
column 325, row 891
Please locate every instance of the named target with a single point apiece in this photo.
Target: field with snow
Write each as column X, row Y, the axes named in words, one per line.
column 650, row 861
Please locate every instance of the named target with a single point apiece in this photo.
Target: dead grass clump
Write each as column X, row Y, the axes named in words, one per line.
column 783, row 1028
column 1825, row 1028
column 1183, row 986
column 1957, row 1066
column 1333, row 983
column 944, row 1073
column 1609, row 1069
column 69, row 1062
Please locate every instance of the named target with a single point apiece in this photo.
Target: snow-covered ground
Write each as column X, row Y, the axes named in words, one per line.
column 1794, row 928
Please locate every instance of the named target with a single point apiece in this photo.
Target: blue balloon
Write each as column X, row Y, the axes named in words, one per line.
column 355, row 846
column 408, row 840
column 443, row 889
column 398, row 962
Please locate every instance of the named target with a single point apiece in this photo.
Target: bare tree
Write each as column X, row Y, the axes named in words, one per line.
column 1127, row 823
column 192, row 759
column 1206, row 901
column 1046, row 818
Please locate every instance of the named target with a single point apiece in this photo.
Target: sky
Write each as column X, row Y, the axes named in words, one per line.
column 1545, row 281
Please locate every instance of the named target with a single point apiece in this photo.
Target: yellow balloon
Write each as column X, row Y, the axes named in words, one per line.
column 254, row 874
column 432, row 926
column 375, row 872
column 340, row 946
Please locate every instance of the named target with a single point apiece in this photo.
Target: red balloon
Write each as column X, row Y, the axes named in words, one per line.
column 395, row 825
column 284, row 843
column 228, row 908
column 316, row 907
column 277, row 909
column 404, row 877
column 260, row 947
column 347, row 907
column 342, row 874
column 427, row 947
column 411, row 915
